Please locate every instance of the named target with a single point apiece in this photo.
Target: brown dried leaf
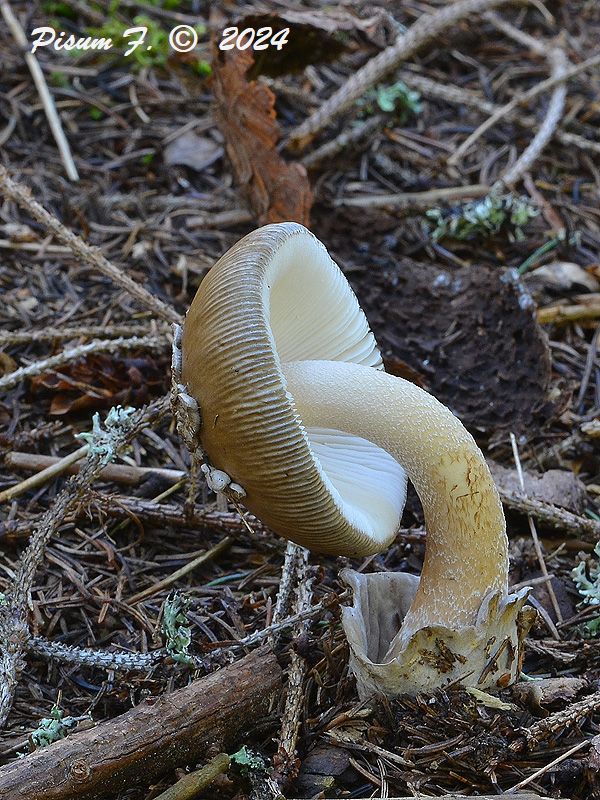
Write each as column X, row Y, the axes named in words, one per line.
column 102, row 381
column 7, row 363
column 245, row 113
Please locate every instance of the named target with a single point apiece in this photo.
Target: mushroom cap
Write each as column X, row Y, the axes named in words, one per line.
column 275, row 297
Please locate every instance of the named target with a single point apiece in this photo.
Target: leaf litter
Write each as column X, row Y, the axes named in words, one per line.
column 449, row 315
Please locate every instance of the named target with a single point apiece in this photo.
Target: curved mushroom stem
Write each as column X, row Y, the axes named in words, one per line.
column 466, row 554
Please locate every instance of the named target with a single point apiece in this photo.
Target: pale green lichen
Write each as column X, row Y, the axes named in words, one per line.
column 53, row 728
column 178, row 634
column 396, row 98
column 482, row 218
column 589, row 589
column 103, row 440
column 248, row 759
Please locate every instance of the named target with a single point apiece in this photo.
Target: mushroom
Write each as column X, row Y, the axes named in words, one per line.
column 281, row 386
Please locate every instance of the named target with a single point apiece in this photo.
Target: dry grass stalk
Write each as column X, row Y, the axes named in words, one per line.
column 51, row 471
column 547, row 767
column 20, row 38
column 562, row 313
column 220, row 547
column 190, row 786
column 536, row 541
column 558, row 65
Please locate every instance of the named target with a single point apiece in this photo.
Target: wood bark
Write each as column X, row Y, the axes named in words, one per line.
column 158, row 735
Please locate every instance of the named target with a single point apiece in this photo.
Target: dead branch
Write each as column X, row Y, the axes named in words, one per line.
column 556, row 723
column 149, row 740
column 157, row 514
column 285, row 760
column 82, row 350
column 552, row 515
column 169, row 514
column 57, row 334
column 424, row 29
column 415, row 200
column 518, row 100
column 14, row 630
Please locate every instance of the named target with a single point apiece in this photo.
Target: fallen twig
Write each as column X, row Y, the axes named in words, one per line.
column 285, row 760
column 520, row 99
column 190, row 786
column 556, row 723
column 552, row 515
column 82, row 350
column 292, row 564
column 21, row 195
column 149, row 740
column 125, row 474
column 425, row 28
column 414, row 200
column 119, row 661
column 14, row 631
column 56, row 334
